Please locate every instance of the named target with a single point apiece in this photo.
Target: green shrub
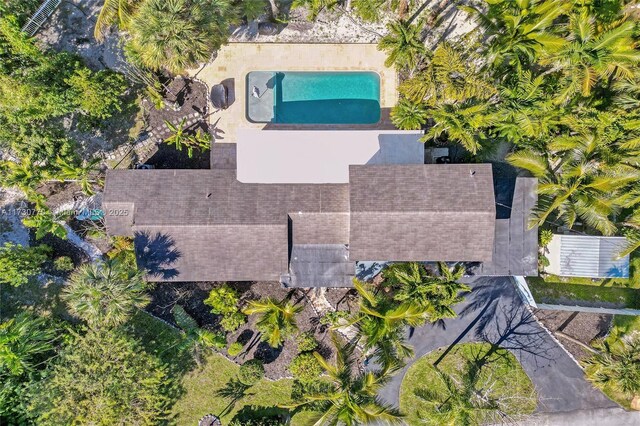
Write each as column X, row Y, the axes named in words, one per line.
column 305, row 367
column 333, row 317
column 234, row 349
column 223, row 300
column 231, row 322
column 63, row 264
column 543, row 261
column 251, row 372
column 18, row 264
column 546, row 235
column 306, row 342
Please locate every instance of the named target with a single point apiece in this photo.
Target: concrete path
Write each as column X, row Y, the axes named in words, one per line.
column 494, row 313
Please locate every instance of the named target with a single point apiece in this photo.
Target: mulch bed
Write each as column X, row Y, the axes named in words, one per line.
column 582, row 326
column 192, row 97
column 276, row 361
column 343, row 299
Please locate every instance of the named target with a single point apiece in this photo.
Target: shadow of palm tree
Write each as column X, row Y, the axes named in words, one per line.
column 234, row 390
column 157, row 254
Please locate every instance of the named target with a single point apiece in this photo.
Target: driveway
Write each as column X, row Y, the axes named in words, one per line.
column 494, row 313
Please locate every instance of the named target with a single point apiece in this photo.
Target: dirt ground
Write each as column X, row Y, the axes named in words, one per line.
column 276, row 361
column 582, row 326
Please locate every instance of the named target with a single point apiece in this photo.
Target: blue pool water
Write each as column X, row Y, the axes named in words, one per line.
column 325, row 97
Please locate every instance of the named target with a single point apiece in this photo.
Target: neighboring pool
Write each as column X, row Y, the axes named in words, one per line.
column 314, row 97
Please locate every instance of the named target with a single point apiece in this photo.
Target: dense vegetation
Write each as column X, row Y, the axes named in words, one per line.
column 557, row 81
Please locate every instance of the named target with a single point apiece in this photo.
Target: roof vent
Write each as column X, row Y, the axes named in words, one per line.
column 209, row 195
column 472, row 172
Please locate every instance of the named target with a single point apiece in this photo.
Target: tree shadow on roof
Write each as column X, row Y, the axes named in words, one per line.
column 157, row 254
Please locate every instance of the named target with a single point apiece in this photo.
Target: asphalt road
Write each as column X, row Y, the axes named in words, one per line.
column 493, row 312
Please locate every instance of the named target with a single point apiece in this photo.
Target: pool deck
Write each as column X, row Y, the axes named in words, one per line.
column 235, row 60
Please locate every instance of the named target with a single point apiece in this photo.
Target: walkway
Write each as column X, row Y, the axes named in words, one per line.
column 494, row 313
column 235, row 60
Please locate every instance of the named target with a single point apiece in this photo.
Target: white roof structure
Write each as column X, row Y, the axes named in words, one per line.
column 587, row 256
column 320, row 156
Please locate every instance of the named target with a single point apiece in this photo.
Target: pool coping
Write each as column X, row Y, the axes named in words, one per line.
column 273, row 93
column 235, row 60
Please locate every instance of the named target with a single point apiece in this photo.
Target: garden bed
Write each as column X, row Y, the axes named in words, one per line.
column 582, row 326
column 191, row 297
column 585, row 295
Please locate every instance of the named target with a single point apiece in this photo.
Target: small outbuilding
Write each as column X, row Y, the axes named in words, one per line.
column 588, row 256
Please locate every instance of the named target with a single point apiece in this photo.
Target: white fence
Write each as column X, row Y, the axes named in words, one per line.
column 42, row 14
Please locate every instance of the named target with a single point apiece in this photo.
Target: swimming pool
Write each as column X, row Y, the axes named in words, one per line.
column 313, row 97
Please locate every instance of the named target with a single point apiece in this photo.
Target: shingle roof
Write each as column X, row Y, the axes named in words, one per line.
column 422, row 212
column 223, row 229
column 205, row 225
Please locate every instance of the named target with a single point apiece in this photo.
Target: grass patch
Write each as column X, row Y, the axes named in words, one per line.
column 510, row 379
column 561, row 292
column 200, row 384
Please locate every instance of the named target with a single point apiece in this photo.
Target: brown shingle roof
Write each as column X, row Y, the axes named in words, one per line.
column 422, row 212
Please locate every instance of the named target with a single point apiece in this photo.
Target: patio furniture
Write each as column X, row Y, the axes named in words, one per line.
column 219, row 97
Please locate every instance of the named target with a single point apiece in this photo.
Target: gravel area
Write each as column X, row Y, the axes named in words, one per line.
column 582, row 326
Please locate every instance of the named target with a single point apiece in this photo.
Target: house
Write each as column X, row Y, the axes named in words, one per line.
column 588, row 256
column 206, row 225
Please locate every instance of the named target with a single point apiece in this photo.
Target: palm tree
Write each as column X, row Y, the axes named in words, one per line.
column 25, row 175
column 585, row 174
column 196, row 338
column 408, row 115
column 24, row 340
column 518, row 32
column 351, row 398
column 526, row 110
column 617, row 366
column 436, row 294
column 465, row 123
column 178, row 34
column 381, row 323
column 105, row 294
column 277, row 319
column 403, row 44
column 252, row 9
column 178, row 135
column 314, row 6
column 83, row 173
column 588, row 57
column 449, row 77
column 458, row 401
column 113, row 12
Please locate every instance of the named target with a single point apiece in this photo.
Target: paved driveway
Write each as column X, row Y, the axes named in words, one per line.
column 493, row 312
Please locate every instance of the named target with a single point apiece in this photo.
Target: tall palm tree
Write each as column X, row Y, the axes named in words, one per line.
column 351, row 398
column 177, row 34
column 617, row 366
column 113, row 12
column 403, row 44
column 449, row 77
column 436, row 294
column 409, row 115
column 518, row 31
column 466, row 123
column 83, row 173
column 588, row 57
column 314, row 6
column 277, row 319
column 105, row 294
column 381, row 323
column 526, row 110
column 25, row 175
column 23, row 341
column 582, row 175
